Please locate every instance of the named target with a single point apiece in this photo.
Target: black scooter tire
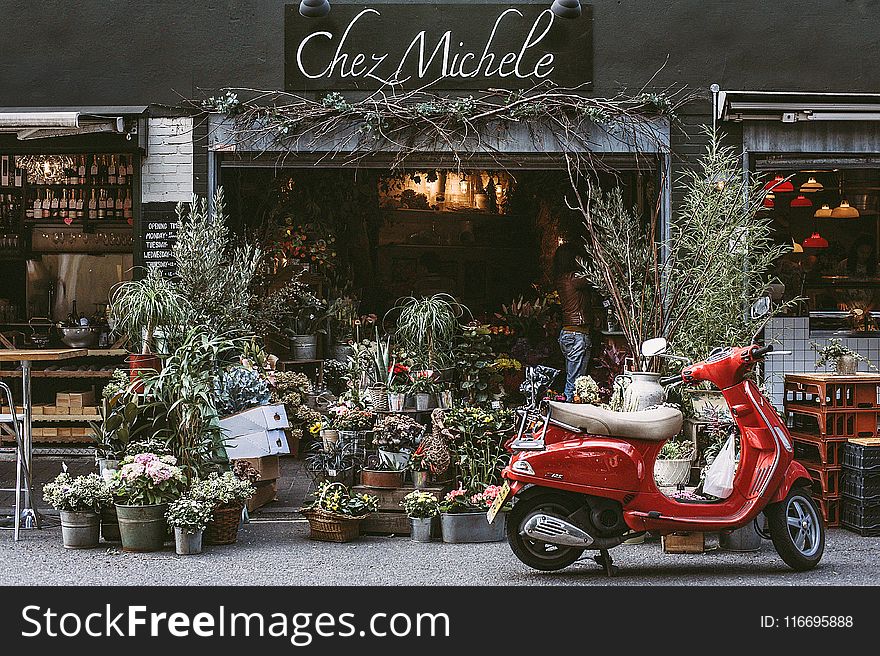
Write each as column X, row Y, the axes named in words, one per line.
column 797, row 501
column 520, row 546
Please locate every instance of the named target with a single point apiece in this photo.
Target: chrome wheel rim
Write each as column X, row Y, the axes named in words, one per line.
column 804, row 526
column 544, row 550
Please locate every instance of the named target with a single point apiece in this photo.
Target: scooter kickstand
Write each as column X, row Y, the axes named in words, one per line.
column 604, row 559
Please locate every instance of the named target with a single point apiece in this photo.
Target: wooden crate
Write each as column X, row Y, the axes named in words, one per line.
column 832, row 391
column 684, row 543
column 386, row 523
column 391, row 519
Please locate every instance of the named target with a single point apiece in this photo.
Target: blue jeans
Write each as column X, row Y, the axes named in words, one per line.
column 576, row 349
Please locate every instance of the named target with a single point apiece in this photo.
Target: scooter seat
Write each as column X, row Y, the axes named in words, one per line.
column 657, row 424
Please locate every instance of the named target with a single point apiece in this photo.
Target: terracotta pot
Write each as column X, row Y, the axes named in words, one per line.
column 382, row 479
column 138, row 362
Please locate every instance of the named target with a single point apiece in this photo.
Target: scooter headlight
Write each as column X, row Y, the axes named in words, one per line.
column 523, row 467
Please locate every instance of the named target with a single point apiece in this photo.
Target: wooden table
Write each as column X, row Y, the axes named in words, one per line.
column 28, row 514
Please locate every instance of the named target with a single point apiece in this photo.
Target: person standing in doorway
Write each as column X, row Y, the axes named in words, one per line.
column 574, row 295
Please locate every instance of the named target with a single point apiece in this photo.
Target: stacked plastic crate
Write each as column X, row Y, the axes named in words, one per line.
column 824, row 412
column 861, row 486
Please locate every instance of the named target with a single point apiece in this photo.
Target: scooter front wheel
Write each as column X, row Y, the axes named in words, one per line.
column 541, row 555
column 797, row 530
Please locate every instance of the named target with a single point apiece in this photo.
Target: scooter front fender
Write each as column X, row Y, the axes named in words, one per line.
column 795, row 476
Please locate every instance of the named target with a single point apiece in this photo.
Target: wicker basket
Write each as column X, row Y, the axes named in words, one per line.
column 223, row 528
column 330, row 527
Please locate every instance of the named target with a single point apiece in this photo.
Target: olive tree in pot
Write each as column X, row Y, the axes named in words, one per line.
column 79, row 500
column 422, row 508
column 140, row 308
column 189, row 517
column 143, row 487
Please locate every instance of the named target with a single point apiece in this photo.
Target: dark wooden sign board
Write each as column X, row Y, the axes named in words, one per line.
column 449, row 47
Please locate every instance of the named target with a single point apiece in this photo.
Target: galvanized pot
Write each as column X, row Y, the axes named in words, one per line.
column 80, row 530
column 472, row 527
column 304, row 347
column 421, row 479
column 142, row 528
column 744, row 538
column 110, row 525
column 186, row 542
column 420, row 528
column 845, row 365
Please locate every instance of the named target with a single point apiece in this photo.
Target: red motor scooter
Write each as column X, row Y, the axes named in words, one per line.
column 582, row 477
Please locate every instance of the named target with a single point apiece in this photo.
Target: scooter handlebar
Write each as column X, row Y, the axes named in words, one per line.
column 761, row 351
column 671, row 380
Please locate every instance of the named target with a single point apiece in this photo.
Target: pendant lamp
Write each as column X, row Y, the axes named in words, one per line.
column 770, row 201
column 796, row 247
column 314, row 8
column 823, row 212
column 566, row 8
column 844, row 211
column 801, row 201
column 815, row 241
column 779, row 185
column 811, row 186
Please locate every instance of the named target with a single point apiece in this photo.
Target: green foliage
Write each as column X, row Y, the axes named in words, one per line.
column 118, row 384
column 190, row 514
column 676, row 450
column 87, row 493
column 239, row 388
column 478, row 443
column 336, row 498
column 215, row 276
column 426, row 327
column 140, row 307
column 121, row 425
column 474, row 360
column 834, row 349
column 222, row 489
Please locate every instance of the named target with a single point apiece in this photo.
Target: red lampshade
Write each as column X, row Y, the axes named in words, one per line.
column 769, row 203
column 815, row 241
column 779, row 184
column 801, row 201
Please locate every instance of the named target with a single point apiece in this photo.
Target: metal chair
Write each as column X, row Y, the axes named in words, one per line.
column 21, row 464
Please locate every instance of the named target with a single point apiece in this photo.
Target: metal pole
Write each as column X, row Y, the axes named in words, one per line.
column 28, row 514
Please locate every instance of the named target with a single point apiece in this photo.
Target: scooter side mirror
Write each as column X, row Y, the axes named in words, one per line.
column 654, row 347
column 760, row 308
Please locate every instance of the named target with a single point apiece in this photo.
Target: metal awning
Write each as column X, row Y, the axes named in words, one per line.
column 795, row 107
column 29, row 123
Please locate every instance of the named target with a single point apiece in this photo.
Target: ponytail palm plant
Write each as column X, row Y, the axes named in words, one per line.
column 140, row 307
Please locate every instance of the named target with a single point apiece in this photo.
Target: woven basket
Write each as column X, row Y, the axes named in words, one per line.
column 330, row 527
column 223, row 528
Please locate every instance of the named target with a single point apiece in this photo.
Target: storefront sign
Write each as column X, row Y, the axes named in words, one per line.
column 160, row 233
column 451, row 47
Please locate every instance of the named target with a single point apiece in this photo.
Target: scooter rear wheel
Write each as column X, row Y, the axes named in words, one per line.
column 797, row 530
column 540, row 555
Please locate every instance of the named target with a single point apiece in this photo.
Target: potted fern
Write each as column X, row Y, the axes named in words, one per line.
column 842, row 358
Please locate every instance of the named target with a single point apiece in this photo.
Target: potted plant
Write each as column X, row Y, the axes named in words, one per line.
column 397, row 396
column 334, row 464
column 226, row 494
column 305, row 320
column 142, row 307
column 463, row 515
column 673, row 465
column 421, row 473
column 383, row 364
column 396, row 435
column 142, row 488
column 842, row 358
column 426, row 328
column 115, row 431
column 335, row 513
column 422, row 386
column 355, row 426
column 79, row 500
column 189, row 517
column 382, row 475
column 239, row 388
column 422, row 508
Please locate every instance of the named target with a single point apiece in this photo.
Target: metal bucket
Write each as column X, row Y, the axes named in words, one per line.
column 421, row 479
column 472, row 527
column 421, row 528
column 187, row 543
column 142, row 528
column 80, row 530
column 110, row 525
column 304, row 347
column 745, row 538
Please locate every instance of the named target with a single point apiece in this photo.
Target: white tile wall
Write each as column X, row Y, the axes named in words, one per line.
column 167, row 172
column 793, row 334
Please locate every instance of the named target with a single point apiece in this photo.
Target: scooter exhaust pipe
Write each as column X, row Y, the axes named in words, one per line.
column 555, row 530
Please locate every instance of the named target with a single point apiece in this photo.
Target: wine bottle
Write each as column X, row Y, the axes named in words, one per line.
column 93, row 171
column 118, row 205
column 80, row 211
column 81, row 169
column 19, row 177
column 102, row 204
column 93, row 206
column 54, row 206
column 111, row 170
column 123, row 171
column 37, row 210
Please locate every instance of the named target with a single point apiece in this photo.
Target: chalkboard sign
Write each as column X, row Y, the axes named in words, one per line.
column 445, row 46
column 159, row 235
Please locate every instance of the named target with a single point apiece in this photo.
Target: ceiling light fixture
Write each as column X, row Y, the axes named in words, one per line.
column 815, row 241
column 49, row 168
column 811, row 186
column 844, row 211
column 823, row 212
column 314, row 8
column 779, row 185
column 566, row 8
column 801, row 201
